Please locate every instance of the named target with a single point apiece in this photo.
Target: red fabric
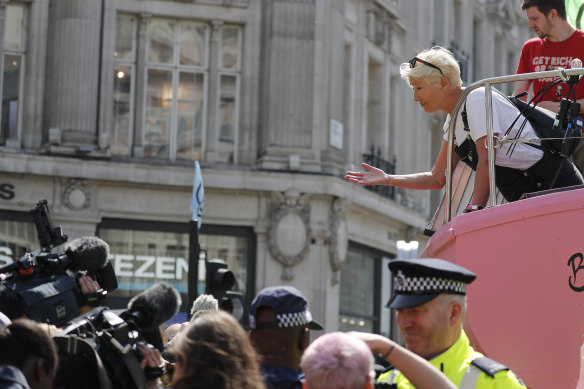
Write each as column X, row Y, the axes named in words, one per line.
column 542, row 54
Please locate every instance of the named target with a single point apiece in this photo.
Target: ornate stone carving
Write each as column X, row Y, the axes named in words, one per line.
column 380, row 27
column 76, row 194
column 289, row 230
column 338, row 237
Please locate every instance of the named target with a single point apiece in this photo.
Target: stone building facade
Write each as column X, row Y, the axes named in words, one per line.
column 106, row 104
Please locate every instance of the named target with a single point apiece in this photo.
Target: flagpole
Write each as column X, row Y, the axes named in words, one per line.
column 194, row 245
column 194, row 252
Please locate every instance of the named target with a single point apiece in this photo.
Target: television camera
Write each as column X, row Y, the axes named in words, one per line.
column 43, row 285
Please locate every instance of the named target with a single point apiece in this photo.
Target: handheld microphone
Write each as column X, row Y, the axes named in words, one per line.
column 151, row 308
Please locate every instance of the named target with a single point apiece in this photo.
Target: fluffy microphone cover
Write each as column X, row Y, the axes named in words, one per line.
column 156, row 305
column 88, row 253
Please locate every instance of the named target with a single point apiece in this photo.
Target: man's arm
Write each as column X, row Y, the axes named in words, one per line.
column 554, row 106
column 521, row 86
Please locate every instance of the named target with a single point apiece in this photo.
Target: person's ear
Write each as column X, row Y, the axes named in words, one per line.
column 303, row 338
column 369, row 382
column 553, row 14
column 38, row 370
column 444, row 82
column 455, row 313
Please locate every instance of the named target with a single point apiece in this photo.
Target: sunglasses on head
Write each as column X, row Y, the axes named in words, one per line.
column 416, row 59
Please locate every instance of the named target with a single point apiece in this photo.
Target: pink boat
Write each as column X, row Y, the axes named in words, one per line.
column 526, row 308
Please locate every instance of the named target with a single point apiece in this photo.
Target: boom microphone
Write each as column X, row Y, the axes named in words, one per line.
column 88, row 253
column 151, row 308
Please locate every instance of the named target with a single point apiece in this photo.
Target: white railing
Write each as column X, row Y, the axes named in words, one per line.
column 487, row 84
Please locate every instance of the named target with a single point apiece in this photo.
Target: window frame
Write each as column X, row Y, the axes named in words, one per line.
column 213, row 73
column 14, row 143
column 131, row 63
column 377, row 256
column 176, row 69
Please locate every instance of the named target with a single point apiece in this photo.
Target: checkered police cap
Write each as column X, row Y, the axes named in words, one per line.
column 290, row 306
column 417, row 281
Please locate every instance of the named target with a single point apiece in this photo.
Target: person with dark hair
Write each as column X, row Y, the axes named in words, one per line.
column 556, row 45
column 214, row 352
column 29, row 356
column 280, row 324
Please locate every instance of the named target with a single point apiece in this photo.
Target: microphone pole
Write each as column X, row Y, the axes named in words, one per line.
column 194, row 246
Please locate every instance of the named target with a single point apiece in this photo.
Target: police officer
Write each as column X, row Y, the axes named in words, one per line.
column 429, row 296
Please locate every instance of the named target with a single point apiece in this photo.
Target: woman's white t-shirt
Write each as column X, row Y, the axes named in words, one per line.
column 522, row 155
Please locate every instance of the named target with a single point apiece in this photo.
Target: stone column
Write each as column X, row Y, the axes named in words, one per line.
column 287, row 81
column 212, row 94
column 71, row 95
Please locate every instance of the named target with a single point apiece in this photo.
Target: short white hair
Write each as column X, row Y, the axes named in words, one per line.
column 337, row 360
column 205, row 302
column 439, row 57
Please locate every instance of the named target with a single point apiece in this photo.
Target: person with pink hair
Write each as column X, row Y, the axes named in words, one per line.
column 345, row 361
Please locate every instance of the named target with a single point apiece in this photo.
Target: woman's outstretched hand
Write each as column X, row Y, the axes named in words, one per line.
column 371, row 176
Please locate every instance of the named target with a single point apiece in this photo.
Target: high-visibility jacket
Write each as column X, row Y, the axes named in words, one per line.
column 466, row 368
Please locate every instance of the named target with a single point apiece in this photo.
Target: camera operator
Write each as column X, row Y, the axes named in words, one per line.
column 88, row 287
column 31, row 362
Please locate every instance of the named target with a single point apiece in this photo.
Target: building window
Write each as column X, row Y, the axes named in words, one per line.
column 144, row 253
column 360, row 290
column 13, row 57
column 17, row 236
column 182, row 64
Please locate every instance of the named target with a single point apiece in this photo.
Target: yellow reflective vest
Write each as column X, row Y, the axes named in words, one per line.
column 457, row 364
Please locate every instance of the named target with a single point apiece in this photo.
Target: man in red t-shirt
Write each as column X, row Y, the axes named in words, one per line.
column 557, row 44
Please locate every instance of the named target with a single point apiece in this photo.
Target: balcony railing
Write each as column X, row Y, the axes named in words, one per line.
column 374, row 159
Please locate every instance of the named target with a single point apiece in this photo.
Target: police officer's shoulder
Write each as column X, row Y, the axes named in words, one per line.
column 488, row 365
column 384, row 385
column 492, row 367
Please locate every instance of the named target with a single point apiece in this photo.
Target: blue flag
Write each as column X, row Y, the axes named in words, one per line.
column 198, row 195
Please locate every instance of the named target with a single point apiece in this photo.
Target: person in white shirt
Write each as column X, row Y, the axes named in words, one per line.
column 434, row 75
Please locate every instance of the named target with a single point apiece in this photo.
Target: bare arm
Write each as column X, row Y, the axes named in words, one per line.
column 521, row 86
column 554, row 106
column 481, row 184
column 434, row 179
column 416, row 369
